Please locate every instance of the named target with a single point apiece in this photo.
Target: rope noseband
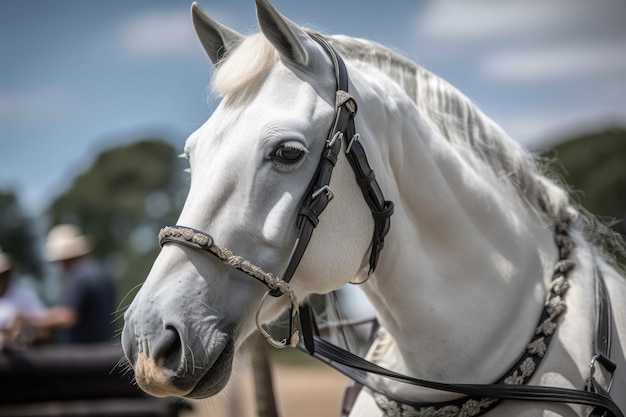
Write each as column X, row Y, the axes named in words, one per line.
column 199, row 240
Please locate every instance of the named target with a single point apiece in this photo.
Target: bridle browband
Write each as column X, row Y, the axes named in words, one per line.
column 316, row 199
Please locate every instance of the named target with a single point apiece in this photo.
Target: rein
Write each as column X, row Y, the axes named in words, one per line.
column 481, row 397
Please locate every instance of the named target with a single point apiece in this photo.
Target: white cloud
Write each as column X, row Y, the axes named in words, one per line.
column 463, row 21
column 528, row 40
column 165, row 33
column 563, row 61
column 33, row 107
column 539, row 127
column 160, row 33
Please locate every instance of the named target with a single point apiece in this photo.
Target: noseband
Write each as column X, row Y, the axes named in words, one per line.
column 199, row 240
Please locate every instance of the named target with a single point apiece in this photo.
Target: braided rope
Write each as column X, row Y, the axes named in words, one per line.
column 202, row 241
column 525, row 367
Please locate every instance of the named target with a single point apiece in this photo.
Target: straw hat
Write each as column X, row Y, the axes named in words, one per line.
column 5, row 262
column 66, row 241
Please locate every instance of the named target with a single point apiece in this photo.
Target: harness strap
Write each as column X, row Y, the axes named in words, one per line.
column 358, row 369
column 488, row 395
column 604, row 326
column 604, row 322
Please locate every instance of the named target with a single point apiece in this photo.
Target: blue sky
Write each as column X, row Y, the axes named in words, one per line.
column 77, row 77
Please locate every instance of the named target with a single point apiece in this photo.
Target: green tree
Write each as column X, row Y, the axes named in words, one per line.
column 594, row 165
column 16, row 235
column 121, row 202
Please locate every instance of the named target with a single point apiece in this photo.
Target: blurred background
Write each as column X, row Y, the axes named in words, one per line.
column 97, row 99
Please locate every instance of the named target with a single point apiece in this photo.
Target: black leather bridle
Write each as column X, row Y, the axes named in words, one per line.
column 358, row 368
column 319, row 193
column 316, row 200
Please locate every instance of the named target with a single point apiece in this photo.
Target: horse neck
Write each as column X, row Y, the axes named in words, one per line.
column 463, row 276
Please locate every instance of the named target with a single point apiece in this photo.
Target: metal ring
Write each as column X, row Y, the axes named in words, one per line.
column 592, row 371
column 355, row 138
column 282, row 344
column 338, row 135
column 326, row 189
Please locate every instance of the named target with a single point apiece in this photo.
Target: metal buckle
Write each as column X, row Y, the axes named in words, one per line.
column 293, row 333
column 355, row 138
column 338, row 135
column 325, row 189
column 592, row 371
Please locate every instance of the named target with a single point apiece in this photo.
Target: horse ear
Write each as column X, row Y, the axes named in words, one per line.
column 216, row 38
column 287, row 37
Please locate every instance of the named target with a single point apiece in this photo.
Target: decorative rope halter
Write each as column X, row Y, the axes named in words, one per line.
column 523, row 369
column 203, row 241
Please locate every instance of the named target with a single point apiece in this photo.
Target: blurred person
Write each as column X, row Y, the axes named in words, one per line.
column 17, row 308
column 84, row 312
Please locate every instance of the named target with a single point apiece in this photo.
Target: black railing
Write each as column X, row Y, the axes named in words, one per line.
column 74, row 380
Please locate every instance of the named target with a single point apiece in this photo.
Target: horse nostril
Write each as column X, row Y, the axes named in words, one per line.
column 168, row 348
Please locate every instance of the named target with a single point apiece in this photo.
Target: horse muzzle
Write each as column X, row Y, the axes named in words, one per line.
column 171, row 359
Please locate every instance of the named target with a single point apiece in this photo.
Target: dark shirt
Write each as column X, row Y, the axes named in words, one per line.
column 90, row 291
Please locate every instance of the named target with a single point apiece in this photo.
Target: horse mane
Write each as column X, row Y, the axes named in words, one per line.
column 483, row 143
column 471, row 133
column 480, row 140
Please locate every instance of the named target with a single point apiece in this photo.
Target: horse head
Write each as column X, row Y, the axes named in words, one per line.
column 462, row 285
column 250, row 166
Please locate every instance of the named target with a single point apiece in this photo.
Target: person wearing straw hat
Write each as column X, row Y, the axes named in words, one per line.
column 84, row 313
column 17, row 307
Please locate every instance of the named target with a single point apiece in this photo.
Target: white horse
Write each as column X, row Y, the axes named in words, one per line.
column 467, row 265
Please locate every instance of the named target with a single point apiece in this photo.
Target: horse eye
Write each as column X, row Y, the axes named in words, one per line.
column 287, row 154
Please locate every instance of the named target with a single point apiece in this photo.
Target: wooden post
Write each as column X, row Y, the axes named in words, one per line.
column 262, row 372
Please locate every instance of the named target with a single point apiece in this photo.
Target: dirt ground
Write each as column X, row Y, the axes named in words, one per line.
column 314, row 390
column 307, row 389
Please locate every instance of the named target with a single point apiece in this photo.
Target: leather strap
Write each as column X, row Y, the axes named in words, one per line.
column 602, row 354
column 359, row 369
column 318, row 193
column 604, row 322
column 381, row 209
column 315, row 201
